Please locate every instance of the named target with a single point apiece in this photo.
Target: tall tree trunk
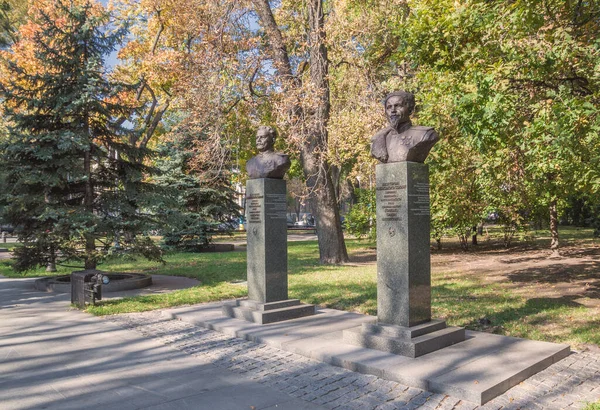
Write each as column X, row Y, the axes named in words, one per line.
column 90, row 240
column 313, row 152
column 474, row 236
column 88, row 201
column 332, row 248
column 336, row 173
column 554, row 243
column 51, row 266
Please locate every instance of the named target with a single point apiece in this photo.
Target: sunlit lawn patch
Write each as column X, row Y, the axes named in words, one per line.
column 463, row 299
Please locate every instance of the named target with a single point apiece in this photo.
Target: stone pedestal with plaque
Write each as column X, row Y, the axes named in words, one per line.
column 266, row 227
column 404, row 325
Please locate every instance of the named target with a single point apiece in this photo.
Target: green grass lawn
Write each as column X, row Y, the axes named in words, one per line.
column 592, row 406
column 8, row 245
column 461, row 299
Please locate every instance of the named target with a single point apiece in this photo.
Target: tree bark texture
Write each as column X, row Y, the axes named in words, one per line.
column 317, row 170
column 90, row 240
column 51, row 266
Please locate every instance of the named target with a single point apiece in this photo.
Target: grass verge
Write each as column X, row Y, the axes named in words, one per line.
column 460, row 298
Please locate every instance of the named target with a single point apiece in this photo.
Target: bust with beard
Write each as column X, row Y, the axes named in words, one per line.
column 401, row 141
column 267, row 164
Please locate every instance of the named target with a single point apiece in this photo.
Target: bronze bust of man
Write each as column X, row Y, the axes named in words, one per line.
column 268, row 163
column 401, row 141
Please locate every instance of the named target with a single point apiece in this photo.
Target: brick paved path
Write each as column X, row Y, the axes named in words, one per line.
column 568, row 384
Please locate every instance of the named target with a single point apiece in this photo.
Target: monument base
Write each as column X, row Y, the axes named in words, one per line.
column 264, row 313
column 411, row 341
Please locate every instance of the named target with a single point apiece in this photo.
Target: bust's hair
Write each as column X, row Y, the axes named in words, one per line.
column 405, row 96
column 270, row 130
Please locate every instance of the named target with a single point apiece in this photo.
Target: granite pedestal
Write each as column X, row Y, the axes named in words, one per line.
column 403, row 268
column 266, row 226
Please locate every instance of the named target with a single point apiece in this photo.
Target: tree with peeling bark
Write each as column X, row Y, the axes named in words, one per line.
column 218, row 73
column 308, row 104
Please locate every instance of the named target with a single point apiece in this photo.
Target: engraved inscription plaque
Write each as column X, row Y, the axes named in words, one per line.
column 390, row 195
column 276, row 206
column 420, row 199
column 255, row 203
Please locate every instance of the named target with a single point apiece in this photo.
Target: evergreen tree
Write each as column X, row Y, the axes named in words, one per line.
column 196, row 203
column 73, row 182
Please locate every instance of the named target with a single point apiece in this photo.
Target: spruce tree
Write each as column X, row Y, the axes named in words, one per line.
column 71, row 176
column 196, row 203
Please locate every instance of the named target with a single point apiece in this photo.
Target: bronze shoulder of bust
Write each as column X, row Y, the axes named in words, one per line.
column 424, row 138
column 378, row 144
column 268, row 165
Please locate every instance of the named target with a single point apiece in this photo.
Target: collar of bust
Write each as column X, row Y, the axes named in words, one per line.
column 405, row 126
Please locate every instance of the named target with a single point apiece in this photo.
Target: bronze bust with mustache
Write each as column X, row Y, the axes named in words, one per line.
column 402, row 141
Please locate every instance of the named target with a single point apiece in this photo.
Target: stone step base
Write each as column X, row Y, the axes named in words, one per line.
column 398, row 340
column 402, row 331
column 482, row 367
column 265, row 313
column 256, row 305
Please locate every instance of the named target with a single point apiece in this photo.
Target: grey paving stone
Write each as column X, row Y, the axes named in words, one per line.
column 318, row 382
column 285, row 374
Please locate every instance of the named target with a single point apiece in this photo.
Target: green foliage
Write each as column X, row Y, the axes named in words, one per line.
column 594, row 221
column 195, row 205
column 592, row 406
column 361, row 218
column 12, row 14
column 513, row 91
column 73, row 183
column 583, row 211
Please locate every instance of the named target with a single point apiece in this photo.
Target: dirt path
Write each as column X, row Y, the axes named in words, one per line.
column 527, row 270
column 574, row 275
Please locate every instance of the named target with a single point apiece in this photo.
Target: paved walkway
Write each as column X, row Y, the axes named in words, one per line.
column 57, row 358
column 54, row 357
column 567, row 384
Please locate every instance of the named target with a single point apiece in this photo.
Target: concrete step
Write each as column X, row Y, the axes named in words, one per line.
column 410, row 347
column 252, row 304
column 263, row 317
column 487, row 377
column 286, row 313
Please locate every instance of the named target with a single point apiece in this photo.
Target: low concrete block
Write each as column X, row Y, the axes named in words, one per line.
column 410, row 347
column 265, row 313
column 481, row 380
column 256, row 305
column 404, row 332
